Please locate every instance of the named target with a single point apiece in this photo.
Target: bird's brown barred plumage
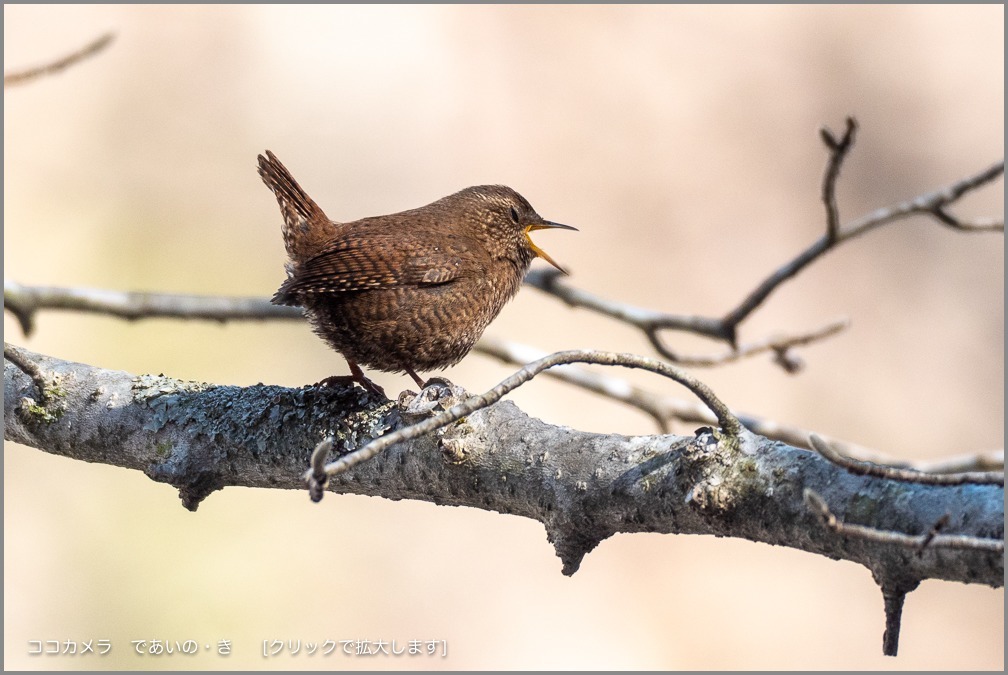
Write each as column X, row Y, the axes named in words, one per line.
column 410, row 291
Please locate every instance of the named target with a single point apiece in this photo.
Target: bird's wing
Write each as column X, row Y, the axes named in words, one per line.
column 378, row 260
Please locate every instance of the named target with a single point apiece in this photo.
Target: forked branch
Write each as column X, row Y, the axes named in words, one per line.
column 725, row 328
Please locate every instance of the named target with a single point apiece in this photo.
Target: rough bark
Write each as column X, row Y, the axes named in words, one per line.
column 583, row 487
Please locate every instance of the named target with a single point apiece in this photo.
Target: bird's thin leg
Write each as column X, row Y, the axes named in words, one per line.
column 364, row 381
column 416, row 378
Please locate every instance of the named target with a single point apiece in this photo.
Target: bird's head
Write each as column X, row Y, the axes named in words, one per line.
column 507, row 217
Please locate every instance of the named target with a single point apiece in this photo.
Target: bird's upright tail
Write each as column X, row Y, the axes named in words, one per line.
column 306, row 228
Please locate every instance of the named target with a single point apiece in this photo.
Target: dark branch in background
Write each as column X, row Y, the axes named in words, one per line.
column 665, row 409
column 319, row 475
column 931, row 204
column 838, row 152
column 934, row 204
column 25, row 301
column 652, row 323
column 24, row 76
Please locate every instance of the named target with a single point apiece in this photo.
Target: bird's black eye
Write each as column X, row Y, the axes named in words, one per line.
column 514, row 215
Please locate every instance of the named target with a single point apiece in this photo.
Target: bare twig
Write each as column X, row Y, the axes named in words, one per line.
column 950, row 541
column 893, row 600
column 781, row 345
column 909, row 476
column 838, row 153
column 729, row 423
column 936, row 202
column 928, row 204
column 25, row 301
column 933, row 532
column 29, row 368
column 551, row 281
column 661, row 409
column 318, row 477
column 895, row 594
column 651, row 323
column 27, row 75
column 665, row 409
column 992, row 460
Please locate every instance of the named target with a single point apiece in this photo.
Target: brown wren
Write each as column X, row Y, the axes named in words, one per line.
column 408, row 291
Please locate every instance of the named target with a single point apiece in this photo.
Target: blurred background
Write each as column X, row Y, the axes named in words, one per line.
column 681, row 141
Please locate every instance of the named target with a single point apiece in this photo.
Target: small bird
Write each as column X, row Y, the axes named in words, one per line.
column 410, row 291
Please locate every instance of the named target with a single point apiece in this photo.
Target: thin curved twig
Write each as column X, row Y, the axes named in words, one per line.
column 907, row 476
column 838, row 152
column 25, row 301
column 951, row 541
column 652, row 324
column 29, row 74
column 666, row 409
column 318, row 475
column 781, row 345
column 29, row 368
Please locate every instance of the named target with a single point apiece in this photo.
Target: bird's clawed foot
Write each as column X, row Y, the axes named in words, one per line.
column 438, row 381
column 364, row 381
column 436, row 394
column 357, row 376
column 349, row 381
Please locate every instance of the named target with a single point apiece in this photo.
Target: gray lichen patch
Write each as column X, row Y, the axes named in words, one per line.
column 147, row 387
column 232, row 425
column 166, row 397
column 361, row 426
column 728, row 476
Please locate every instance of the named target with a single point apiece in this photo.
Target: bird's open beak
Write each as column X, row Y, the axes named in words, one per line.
column 546, row 225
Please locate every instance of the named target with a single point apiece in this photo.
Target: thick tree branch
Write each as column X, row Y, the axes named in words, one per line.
column 583, row 487
column 26, row 301
column 895, row 588
column 487, row 454
column 665, row 409
column 319, row 474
